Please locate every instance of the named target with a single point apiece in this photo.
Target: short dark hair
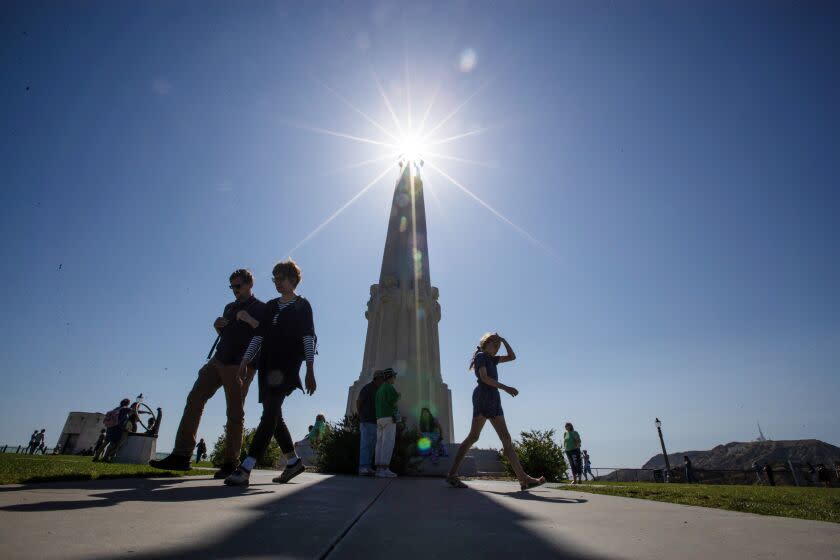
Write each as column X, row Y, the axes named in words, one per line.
column 125, row 402
column 244, row 274
column 287, row 269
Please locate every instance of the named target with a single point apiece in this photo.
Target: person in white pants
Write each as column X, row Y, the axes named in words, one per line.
column 386, row 424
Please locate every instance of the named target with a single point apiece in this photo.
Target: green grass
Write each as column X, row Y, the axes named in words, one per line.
column 821, row 504
column 16, row 469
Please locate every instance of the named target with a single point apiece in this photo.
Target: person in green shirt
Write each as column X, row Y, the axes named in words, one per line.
column 571, row 444
column 387, row 416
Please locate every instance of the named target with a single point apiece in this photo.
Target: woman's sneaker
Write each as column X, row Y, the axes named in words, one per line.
column 290, row 472
column 385, row 473
column 366, row 471
column 240, row 477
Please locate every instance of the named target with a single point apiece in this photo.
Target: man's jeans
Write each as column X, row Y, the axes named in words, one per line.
column 211, row 377
column 368, row 444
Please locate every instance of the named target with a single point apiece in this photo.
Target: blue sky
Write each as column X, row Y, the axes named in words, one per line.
column 679, row 161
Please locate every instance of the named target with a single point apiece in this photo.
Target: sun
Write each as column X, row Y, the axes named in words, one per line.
column 411, row 147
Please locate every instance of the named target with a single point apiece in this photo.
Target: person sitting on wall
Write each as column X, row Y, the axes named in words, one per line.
column 431, row 440
column 316, row 432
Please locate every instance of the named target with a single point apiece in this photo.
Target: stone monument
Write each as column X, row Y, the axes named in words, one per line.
column 403, row 312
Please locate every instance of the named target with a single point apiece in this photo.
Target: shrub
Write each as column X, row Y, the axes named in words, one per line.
column 338, row 450
column 267, row 461
column 539, row 455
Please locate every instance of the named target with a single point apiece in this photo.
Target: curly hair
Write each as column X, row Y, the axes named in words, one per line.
column 288, row 269
column 243, row 274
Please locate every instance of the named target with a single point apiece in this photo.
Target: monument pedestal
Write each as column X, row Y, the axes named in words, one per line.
column 138, row 449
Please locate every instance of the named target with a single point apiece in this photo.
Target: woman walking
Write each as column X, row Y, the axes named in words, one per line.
column 487, row 405
column 571, row 443
column 285, row 338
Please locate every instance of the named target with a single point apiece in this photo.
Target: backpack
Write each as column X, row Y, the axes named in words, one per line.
column 112, row 418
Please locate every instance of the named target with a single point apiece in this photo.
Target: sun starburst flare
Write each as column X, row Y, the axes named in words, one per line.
column 409, row 146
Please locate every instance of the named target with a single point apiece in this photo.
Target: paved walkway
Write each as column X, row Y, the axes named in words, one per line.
column 319, row 516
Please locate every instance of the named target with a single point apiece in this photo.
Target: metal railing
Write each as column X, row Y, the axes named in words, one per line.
column 793, row 474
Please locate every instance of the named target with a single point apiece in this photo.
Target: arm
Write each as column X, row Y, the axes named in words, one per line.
column 511, row 355
column 221, row 322
column 257, row 340
column 487, row 380
column 309, row 348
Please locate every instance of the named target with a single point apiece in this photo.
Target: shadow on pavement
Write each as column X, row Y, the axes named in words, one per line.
column 334, row 517
column 128, row 490
column 538, row 497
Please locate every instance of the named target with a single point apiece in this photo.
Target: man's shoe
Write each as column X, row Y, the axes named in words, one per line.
column 385, row 473
column 239, row 477
column 290, row 472
column 172, row 463
column 366, row 471
column 225, row 471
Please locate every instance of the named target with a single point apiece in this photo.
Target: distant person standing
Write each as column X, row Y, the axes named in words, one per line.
column 768, row 470
column 487, row 405
column 387, row 417
column 99, row 447
column 200, row 451
column 366, row 408
column 689, row 472
column 571, row 443
column 824, row 475
column 757, row 470
column 587, row 466
column 33, row 443
column 235, row 328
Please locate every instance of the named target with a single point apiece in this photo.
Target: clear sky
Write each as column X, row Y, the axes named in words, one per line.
column 677, row 163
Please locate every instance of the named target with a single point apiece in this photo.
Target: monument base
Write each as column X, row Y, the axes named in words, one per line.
column 477, row 462
column 138, row 449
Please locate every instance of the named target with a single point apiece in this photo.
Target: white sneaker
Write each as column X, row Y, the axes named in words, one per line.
column 385, row 473
column 366, row 471
column 239, row 477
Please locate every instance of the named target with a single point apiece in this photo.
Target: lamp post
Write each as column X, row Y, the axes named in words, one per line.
column 664, row 453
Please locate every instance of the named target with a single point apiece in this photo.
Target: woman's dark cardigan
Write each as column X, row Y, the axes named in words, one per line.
column 282, row 346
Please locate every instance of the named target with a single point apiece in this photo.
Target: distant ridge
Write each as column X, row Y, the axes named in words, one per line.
column 741, row 455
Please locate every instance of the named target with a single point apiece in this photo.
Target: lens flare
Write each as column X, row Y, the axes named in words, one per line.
column 424, row 444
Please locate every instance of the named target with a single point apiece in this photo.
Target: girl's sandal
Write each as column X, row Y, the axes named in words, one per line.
column 528, row 485
column 455, row 482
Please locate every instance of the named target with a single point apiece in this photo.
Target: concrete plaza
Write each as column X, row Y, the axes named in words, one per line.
column 321, row 516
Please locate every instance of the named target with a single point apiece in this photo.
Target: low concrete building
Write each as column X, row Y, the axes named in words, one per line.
column 80, row 431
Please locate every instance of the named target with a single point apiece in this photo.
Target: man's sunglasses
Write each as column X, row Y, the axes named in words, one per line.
column 235, row 286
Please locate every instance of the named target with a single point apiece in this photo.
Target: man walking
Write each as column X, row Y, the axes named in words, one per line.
column 99, row 448
column 235, row 327
column 200, row 451
column 688, row 470
column 366, row 407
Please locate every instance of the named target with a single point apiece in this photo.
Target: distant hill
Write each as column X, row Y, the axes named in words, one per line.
column 740, row 455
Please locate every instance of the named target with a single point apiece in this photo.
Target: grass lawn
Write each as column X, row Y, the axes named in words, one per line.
column 18, row 468
column 821, row 504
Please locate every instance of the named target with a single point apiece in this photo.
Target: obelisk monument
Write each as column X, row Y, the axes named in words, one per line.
column 403, row 312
